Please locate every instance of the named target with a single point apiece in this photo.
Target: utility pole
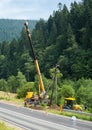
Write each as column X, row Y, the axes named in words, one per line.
column 54, row 85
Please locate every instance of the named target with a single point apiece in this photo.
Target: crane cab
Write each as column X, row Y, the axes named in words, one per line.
column 70, row 103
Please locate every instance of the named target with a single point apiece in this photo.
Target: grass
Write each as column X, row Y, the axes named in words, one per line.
column 79, row 116
column 3, row 126
column 70, row 114
column 11, row 97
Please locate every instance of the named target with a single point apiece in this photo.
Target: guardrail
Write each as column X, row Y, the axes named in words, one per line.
column 78, row 112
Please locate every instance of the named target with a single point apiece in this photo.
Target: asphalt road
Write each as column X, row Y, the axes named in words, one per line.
column 29, row 119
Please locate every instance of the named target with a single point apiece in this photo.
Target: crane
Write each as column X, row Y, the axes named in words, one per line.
column 42, row 92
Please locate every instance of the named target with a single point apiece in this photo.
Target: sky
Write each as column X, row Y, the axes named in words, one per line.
column 30, row 9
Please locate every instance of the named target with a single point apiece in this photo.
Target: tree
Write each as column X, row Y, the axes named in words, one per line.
column 84, row 89
column 12, row 84
column 3, row 85
column 20, row 79
column 5, row 48
column 90, row 100
column 13, row 57
column 4, row 70
column 28, row 87
column 27, row 66
column 38, row 36
column 81, row 95
column 52, row 34
column 67, row 91
column 60, row 6
column 23, row 42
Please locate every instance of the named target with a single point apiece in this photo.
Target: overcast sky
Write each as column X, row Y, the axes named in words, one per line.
column 30, row 9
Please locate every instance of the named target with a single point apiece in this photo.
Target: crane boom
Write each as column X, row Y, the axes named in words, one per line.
column 35, row 61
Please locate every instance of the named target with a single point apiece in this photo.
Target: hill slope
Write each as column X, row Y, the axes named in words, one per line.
column 10, row 29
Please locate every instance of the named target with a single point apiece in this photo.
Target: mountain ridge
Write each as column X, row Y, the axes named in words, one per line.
column 11, row 28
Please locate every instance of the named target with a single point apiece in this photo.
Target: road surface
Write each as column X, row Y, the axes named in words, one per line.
column 29, row 119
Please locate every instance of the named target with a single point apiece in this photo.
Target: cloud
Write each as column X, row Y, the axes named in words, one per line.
column 29, row 9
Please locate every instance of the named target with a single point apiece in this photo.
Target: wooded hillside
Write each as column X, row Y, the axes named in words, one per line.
column 10, row 29
column 64, row 39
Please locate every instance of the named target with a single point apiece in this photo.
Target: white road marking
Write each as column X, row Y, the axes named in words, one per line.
column 36, row 123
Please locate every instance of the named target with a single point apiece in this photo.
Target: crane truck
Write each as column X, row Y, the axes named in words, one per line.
column 31, row 97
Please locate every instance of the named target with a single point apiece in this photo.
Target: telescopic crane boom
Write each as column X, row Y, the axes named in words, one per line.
column 41, row 85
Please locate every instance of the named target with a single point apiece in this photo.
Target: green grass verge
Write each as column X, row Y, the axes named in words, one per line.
column 79, row 116
column 70, row 114
column 3, row 126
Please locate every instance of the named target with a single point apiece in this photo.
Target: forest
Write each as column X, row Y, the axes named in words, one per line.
column 11, row 28
column 65, row 39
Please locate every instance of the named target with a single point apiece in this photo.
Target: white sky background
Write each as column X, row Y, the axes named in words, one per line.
column 30, row 9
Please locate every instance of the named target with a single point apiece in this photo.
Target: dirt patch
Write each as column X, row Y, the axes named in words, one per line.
column 37, row 108
column 55, row 107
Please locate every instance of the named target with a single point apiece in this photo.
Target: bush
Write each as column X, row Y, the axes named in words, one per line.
column 21, row 92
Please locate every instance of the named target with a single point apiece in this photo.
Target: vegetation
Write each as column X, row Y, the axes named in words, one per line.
column 11, row 98
column 10, row 29
column 79, row 116
column 65, row 39
column 70, row 114
column 3, row 126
